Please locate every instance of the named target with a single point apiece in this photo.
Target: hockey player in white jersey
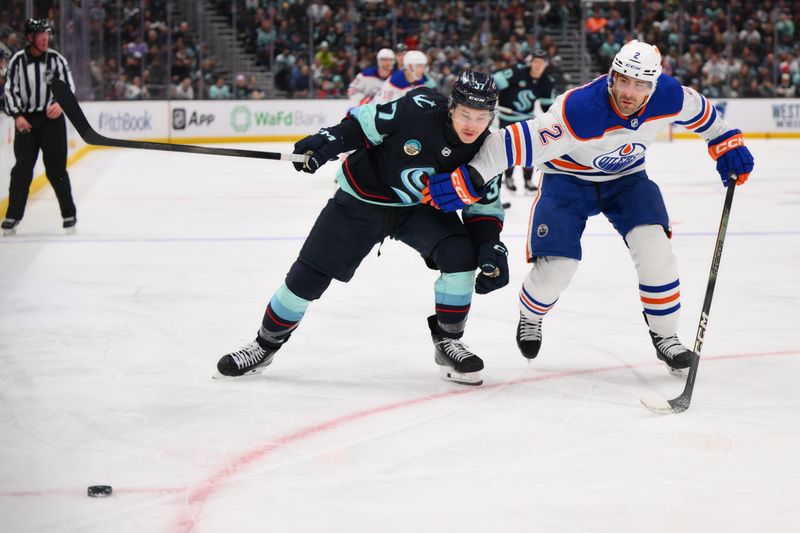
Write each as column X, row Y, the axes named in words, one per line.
column 591, row 148
column 370, row 80
column 415, row 63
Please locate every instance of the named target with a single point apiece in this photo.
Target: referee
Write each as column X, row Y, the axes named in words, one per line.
column 39, row 124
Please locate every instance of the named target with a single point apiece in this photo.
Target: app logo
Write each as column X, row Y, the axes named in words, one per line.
column 178, row 118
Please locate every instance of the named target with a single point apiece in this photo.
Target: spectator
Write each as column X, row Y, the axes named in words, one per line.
column 240, row 89
column 219, row 91
column 184, row 90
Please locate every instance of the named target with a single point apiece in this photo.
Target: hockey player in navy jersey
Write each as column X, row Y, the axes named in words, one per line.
column 520, row 87
column 397, row 145
column 591, row 148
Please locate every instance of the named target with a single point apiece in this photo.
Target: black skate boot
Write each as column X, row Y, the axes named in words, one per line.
column 69, row 225
column 252, row 358
column 456, row 362
column 508, row 179
column 527, row 176
column 9, row 227
column 670, row 350
column 529, row 336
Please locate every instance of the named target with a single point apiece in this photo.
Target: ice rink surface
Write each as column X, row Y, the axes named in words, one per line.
column 109, row 339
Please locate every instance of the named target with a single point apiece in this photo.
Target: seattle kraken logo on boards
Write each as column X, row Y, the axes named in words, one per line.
column 721, row 107
column 412, row 147
column 620, row 158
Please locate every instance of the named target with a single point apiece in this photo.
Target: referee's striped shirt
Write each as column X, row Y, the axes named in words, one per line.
column 26, row 81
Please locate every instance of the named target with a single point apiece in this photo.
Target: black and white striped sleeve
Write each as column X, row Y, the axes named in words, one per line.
column 15, row 77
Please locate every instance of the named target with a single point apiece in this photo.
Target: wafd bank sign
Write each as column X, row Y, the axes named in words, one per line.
column 253, row 118
column 178, row 119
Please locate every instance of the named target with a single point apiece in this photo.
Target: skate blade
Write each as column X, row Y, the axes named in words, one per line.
column 467, row 378
column 9, row 232
column 70, row 231
column 223, row 377
column 682, row 373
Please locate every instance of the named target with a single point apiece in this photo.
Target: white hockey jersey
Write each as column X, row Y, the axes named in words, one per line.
column 584, row 135
column 365, row 85
column 395, row 87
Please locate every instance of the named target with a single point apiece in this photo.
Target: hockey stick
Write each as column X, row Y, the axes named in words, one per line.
column 517, row 114
column 69, row 104
column 681, row 403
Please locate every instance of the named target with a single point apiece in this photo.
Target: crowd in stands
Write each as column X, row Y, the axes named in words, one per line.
column 314, row 48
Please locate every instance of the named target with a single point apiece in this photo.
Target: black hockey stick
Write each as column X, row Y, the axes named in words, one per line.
column 69, row 104
column 681, row 403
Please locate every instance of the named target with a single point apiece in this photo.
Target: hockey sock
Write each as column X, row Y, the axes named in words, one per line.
column 453, row 299
column 283, row 314
column 657, row 269
column 541, row 288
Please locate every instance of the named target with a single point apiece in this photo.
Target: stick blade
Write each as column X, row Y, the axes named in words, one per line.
column 666, row 407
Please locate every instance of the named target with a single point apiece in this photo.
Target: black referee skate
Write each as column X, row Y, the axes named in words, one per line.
column 456, row 362
column 670, row 350
column 9, row 227
column 529, row 336
column 69, row 225
column 251, row 358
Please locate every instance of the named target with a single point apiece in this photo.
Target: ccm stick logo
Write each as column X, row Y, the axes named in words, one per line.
column 701, row 332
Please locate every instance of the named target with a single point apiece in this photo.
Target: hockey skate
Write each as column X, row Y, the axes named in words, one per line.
column 529, row 336
column 456, row 362
column 69, row 225
column 509, row 182
column 9, row 227
column 530, row 186
column 670, row 350
column 250, row 359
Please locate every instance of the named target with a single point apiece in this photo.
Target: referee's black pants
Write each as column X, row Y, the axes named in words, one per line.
column 49, row 136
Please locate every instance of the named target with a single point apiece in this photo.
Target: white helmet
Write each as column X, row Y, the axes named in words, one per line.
column 414, row 57
column 637, row 60
column 385, row 53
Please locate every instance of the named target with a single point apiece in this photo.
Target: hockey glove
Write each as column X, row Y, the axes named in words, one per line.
column 320, row 148
column 450, row 192
column 732, row 156
column 493, row 262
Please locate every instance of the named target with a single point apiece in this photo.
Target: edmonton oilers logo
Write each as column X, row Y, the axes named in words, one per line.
column 542, row 230
column 620, row 158
column 412, row 147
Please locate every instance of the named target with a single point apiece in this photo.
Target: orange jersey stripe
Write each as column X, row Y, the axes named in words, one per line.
column 567, row 164
column 515, row 130
column 705, row 116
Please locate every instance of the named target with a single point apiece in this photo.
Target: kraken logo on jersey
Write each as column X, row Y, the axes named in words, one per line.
column 524, row 101
column 412, row 147
column 620, row 158
column 413, row 180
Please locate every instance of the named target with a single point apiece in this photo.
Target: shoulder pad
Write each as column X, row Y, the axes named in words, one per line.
column 371, row 72
column 667, row 99
column 585, row 109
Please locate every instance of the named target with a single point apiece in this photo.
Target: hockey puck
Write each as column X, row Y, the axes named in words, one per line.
column 99, row 491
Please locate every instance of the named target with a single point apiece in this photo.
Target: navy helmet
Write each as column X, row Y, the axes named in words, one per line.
column 474, row 89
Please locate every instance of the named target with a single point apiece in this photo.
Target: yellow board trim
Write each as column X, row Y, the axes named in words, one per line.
column 41, row 180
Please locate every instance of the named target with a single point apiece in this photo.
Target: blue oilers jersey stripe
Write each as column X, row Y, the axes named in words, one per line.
column 533, row 305
column 519, row 147
column 661, row 300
